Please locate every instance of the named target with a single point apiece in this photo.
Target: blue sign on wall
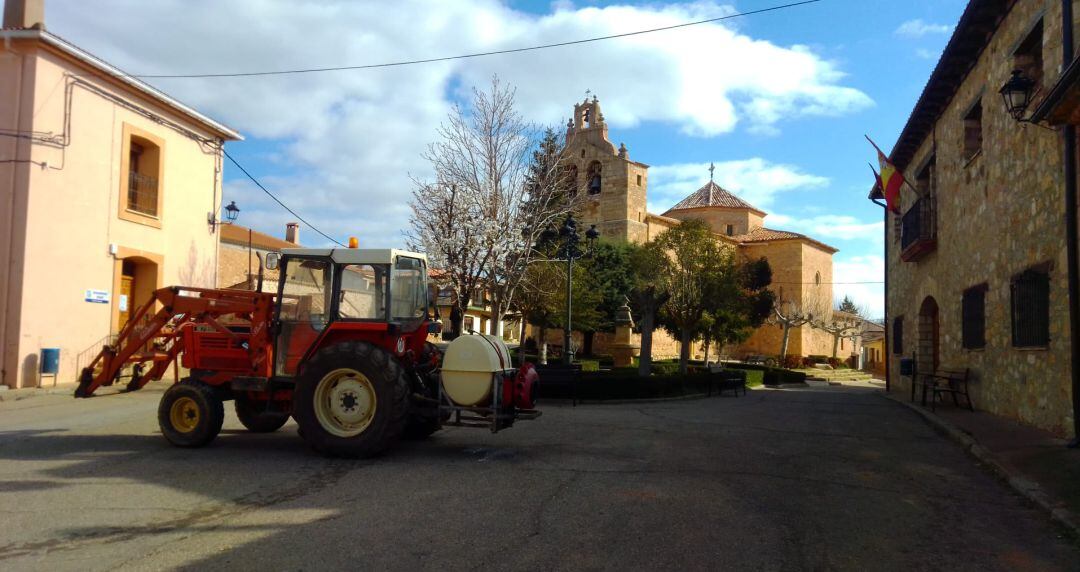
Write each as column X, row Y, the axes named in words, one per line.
column 97, row 296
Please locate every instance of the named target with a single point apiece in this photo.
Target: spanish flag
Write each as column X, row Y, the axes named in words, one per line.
column 890, row 179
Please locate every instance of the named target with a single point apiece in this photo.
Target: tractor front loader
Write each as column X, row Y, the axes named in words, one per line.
column 340, row 347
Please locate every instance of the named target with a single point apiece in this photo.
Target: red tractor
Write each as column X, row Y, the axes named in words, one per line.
column 341, row 348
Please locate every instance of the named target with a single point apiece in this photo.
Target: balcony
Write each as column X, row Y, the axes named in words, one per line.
column 918, row 234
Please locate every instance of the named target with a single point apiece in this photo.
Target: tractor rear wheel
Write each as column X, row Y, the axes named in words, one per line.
column 255, row 418
column 419, row 427
column 190, row 414
column 351, row 400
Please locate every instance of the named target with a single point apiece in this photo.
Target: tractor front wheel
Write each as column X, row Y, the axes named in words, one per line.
column 255, row 418
column 351, row 400
column 190, row 414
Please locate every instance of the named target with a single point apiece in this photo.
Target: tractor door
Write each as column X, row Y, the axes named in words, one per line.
column 304, row 301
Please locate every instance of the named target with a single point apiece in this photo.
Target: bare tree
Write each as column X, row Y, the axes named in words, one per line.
column 793, row 313
column 489, row 203
column 840, row 324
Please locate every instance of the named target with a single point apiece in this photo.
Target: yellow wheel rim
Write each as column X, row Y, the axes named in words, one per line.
column 345, row 402
column 184, row 415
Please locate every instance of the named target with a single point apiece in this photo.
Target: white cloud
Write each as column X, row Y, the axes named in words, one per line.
column 830, row 226
column 351, row 138
column 927, row 54
column 755, row 180
column 862, row 269
column 918, row 28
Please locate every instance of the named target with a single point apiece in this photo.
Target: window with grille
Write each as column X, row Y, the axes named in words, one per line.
column 1031, row 309
column 898, row 335
column 973, row 317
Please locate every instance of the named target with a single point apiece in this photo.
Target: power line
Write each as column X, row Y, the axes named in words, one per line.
column 277, row 200
column 480, row 54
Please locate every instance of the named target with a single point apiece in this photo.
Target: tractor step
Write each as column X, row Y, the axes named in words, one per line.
column 250, row 383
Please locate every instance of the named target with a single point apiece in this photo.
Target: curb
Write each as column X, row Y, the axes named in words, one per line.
column 1025, row 487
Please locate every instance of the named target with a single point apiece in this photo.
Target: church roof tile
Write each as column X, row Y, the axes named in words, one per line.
column 712, row 195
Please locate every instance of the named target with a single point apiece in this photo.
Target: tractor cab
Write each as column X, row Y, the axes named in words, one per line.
column 379, row 295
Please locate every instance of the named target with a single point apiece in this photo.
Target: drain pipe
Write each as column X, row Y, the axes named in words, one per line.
column 1069, row 132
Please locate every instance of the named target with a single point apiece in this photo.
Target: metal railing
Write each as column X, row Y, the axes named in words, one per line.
column 919, row 223
column 86, row 356
column 142, row 193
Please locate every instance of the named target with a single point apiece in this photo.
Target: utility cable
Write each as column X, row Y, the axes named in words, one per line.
column 480, row 54
column 277, row 200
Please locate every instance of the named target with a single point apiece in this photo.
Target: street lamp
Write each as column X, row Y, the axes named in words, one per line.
column 231, row 213
column 1017, row 94
column 569, row 249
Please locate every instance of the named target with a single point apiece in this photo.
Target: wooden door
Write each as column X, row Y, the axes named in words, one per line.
column 124, row 301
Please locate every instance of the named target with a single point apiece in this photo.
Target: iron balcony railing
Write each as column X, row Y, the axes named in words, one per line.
column 918, row 229
column 142, row 193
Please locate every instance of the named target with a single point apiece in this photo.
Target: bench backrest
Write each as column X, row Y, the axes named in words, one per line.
column 954, row 374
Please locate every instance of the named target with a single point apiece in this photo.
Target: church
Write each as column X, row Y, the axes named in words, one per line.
column 616, row 189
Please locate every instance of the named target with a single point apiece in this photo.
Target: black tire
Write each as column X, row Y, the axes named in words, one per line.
column 255, row 418
column 420, row 427
column 197, row 402
column 386, row 379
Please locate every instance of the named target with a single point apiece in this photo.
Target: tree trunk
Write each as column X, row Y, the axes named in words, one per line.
column 497, row 313
column 784, row 341
column 684, row 350
column 835, row 342
column 586, row 349
column 706, row 352
column 645, row 358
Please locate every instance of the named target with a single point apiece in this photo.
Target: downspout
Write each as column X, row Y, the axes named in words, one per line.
column 1069, row 132
column 888, row 334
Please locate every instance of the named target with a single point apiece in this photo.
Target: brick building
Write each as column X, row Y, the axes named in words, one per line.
column 616, row 190
column 978, row 260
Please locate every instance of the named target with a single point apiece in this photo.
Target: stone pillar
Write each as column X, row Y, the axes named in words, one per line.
column 624, row 349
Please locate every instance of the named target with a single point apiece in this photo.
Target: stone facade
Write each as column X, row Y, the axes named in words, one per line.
column 997, row 210
column 616, row 188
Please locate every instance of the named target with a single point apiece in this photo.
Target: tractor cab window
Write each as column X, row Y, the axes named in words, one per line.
column 363, row 292
column 305, row 292
column 410, row 292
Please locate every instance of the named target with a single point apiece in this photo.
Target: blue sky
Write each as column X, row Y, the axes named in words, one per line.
column 780, row 101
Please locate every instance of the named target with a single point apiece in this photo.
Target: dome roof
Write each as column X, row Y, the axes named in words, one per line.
column 713, row 195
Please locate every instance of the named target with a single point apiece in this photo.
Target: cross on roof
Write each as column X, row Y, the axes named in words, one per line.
column 712, row 167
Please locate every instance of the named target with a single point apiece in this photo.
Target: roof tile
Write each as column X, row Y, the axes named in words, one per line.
column 712, row 195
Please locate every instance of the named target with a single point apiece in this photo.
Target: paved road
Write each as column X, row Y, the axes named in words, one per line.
column 779, row 480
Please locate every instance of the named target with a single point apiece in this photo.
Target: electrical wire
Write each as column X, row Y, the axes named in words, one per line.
column 277, row 200
column 479, row 54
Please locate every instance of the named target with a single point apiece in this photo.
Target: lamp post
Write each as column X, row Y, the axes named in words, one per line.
column 569, row 248
column 1017, row 94
column 231, row 213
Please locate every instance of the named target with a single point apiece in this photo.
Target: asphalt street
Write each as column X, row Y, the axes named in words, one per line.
column 818, row 479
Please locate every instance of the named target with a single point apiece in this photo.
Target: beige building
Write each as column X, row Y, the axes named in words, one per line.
column 616, row 189
column 978, row 260
column 105, row 188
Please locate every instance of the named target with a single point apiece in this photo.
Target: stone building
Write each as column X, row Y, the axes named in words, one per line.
column 243, row 250
column 977, row 261
column 107, row 186
column 616, row 189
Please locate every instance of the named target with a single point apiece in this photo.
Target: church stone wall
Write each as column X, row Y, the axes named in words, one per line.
column 718, row 219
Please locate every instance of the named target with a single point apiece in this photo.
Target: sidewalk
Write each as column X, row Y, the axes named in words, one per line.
column 1032, row 461
column 8, row 394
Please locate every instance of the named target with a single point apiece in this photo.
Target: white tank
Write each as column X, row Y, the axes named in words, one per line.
column 468, row 365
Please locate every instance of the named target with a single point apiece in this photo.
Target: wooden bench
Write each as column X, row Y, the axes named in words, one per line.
column 942, row 381
column 724, row 379
column 559, row 375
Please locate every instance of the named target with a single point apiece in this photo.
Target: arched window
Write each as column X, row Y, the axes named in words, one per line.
column 593, row 178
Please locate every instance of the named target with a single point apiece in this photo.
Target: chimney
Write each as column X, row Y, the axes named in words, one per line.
column 24, row 14
column 292, row 233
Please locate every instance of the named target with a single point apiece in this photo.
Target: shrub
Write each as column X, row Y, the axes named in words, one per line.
column 807, row 363
column 754, row 378
column 833, row 362
column 665, row 368
column 589, row 365
column 791, row 361
column 748, row 366
column 818, row 359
